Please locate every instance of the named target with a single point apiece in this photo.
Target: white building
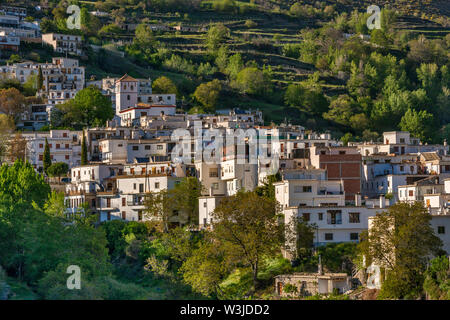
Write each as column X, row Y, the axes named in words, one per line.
column 64, row 43
column 309, row 188
column 9, row 42
column 62, row 78
column 65, row 146
column 336, row 223
column 134, row 100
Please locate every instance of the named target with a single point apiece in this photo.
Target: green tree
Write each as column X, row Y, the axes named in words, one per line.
column 40, row 79
column 234, row 66
column 164, row 85
column 160, row 207
column 7, row 127
column 253, row 81
column 84, row 155
column 47, row 161
column 268, row 188
column 12, row 102
column 110, row 30
column 299, row 236
column 341, row 110
column 222, row 58
column 14, row 58
column 185, row 197
column 401, row 240
column 437, row 279
column 208, row 94
column 144, row 40
column 247, row 226
column 429, row 75
column 419, row 124
column 216, row 36
column 206, row 268
column 89, row 107
column 58, row 169
column 346, row 138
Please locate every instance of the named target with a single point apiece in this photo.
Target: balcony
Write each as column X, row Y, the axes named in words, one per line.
column 135, row 203
column 327, row 193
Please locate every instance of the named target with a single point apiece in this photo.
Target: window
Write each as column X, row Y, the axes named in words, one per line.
column 135, row 148
column 141, row 187
column 41, row 145
column 307, row 189
column 320, row 216
column 411, row 193
column 156, row 185
column 134, row 186
column 215, row 186
column 124, row 202
column 213, row 173
column 401, row 168
column 341, row 152
column 441, row 229
column 354, row 217
column 328, row 236
column 159, row 147
column 67, row 146
column 67, row 157
column 354, row 236
column 41, row 157
column 128, row 97
column 334, row 217
column 204, row 204
column 147, row 147
column 306, row 217
column 58, row 146
column 124, row 215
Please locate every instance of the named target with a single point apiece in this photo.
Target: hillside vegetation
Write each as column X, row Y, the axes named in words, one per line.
column 313, row 63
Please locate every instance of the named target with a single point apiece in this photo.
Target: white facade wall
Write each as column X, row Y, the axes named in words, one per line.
column 309, row 193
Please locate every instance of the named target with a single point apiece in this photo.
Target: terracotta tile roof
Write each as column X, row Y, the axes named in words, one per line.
column 430, row 156
column 128, row 78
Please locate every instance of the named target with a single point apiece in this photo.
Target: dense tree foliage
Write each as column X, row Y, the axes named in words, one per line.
column 401, row 240
column 89, row 107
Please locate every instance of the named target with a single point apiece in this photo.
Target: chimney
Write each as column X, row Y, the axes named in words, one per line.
column 319, row 266
column 382, row 201
column 358, row 199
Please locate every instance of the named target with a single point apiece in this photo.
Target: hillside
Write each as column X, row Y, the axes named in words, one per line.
column 305, row 44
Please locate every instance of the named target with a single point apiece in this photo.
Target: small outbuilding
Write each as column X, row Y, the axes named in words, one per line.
column 308, row 284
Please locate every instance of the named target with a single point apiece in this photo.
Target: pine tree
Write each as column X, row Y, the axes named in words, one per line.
column 84, row 159
column 40, row 79
column 47, row 158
